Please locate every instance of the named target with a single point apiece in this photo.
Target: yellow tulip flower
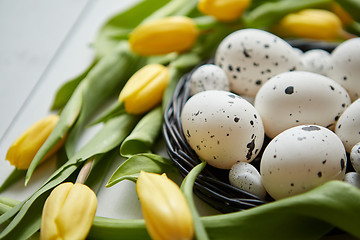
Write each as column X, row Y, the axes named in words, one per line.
column 164, row 207
column 311, row 23
column 68, row 212
column 170, row 34
column 24, row 148
column 224, row 10
column 145, row 89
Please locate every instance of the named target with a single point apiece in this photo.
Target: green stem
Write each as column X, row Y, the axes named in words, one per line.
column 187, row 187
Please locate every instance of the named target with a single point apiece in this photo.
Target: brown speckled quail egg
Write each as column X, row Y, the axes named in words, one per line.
column 251, row 56
column 222, row 128
column 355, row 157
column 345, row 69
column 294, row 98
column 317, row 61
column 208, row 77
column 302, row 158
column 348, row 126
column 245, row 176
column 353, row 178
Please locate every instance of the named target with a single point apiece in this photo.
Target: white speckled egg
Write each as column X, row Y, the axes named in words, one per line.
column 222, row 128
column 251, row 56
column 348, row 126
column 246, row 177
column 355, row 157
column 302, row 158
column 208, row 77
column 353, row 178
column 345, row 69
column 295, row 98
column 317, row 61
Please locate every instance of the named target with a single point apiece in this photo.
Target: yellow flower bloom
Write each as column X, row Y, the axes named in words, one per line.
column 224, row 10
column 145, row 89
column 311, row 23
column 24, row 148
column 68, row 212
column 164, row 207
column 170, row 34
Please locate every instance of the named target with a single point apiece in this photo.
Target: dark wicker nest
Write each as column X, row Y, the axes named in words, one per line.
column 212, row 185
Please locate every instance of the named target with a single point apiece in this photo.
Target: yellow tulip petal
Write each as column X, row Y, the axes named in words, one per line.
column 150, row 95
column 164, row 207
column 77, row 214
column 25, row 147
column 52, row 207
column 311, row 23
column 170, row 34
column 140, row 79
column 224, row 10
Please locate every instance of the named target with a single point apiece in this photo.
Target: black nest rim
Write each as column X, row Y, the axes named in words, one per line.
column 212, row 184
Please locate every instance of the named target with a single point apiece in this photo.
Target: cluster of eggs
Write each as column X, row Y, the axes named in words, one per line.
column 305, row 103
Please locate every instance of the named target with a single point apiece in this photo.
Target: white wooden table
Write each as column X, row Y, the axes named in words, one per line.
column 44, row 43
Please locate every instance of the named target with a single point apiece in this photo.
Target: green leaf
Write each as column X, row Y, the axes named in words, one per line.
column 119, row 26
column 352, row 7
column 30, row 223
column 65, row 92
column 187, row 187
column 267, row 14
column 354, row 28
column 335, row 203
column 102, row 83
column 110, row 136
column 305, row 216
column 144, row 134
column 15, row 176
column 148, row 162
column 67, row 119
column 115, row 109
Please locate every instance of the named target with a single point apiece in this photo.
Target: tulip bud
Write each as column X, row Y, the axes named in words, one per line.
column 224, row 10
column 311, row 23
column 24, row 148
column 170, row 34
column 164, row 207
column 68, row 212
column 145, row 89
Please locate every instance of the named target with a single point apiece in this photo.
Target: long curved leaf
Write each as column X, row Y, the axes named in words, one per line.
column 305, row 216
column 144, row 134
column 148, row 162
column 65, row 92
column 187, row 187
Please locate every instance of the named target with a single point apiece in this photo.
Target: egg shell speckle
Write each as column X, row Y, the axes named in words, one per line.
column 208, row 77
column 345, row 66
column 348, row 126
column 302, row 158
column 355, row 157
column 250, row 57
column 245, row 176
column 222, row 128
column 295, row 98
